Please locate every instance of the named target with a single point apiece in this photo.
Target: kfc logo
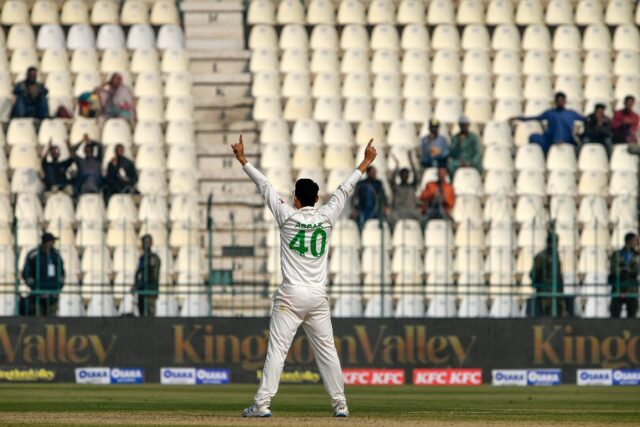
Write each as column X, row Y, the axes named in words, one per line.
column 373, row 376
column 447, row 377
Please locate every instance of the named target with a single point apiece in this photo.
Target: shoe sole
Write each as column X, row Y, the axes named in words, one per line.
column 257, row 416
column 341, row 416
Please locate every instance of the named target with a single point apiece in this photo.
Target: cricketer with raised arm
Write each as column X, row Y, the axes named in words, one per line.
column 301, row 299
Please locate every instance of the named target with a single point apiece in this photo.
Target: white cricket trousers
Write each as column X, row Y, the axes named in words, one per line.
column 307, row 305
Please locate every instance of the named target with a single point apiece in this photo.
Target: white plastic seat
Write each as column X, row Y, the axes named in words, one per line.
column 74, row 12
column 622, row 160
column 446, row 62
column 592, row 210
column 28, row 207
column 324, row 61
column 561, row 183
column 467, row 181
column 263, row 37
column 626, row 63
column 54, row 60
column 15, row 12
column 623, row 183
column 114, row 60
column 321, row 12
column 357, row 109
column 562, row 157
column 448, row 110
column 476, row 63
column 618, row 12
column 593, row 157
column 625, row 86
column 324, row 37
column 470, row 12
column 441, row 306
column 440, row 12
column 415, row 37
column 530, row 182
column 294, row 36
column 385, row 36
column 50, row 36
column 351, row 12
column 529, row 12
column 101, row 305
column 475, row 36
column 141, row 36
column 110, row 36
column 290, row 12
column 385, row 62
column 559, row 12
column 445, row 37
column 149, row 109
column 499, row 12
column 626, row 37
column 294, row 85
column 381, row 12
column 170, row 36
column 21, row 59
column 134, row 12
column 164, row 12
column 598, row 62
column 104, row 12
column 411, row 306
column 536, row 37
column 59, row 209
column 588, row 12
column 438, row 233
column 623, row 210
column 506, row 37
column 410, row 12
column 355, row 62
column 348, row 306
column 379, row 306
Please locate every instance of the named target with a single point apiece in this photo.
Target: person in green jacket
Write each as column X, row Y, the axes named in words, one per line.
column 546, row 278
column 623, row 277
column 465, row 149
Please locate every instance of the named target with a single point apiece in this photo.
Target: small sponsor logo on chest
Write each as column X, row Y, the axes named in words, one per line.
column 308, row 226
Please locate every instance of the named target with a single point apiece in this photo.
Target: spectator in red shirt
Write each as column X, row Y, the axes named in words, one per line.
column 625, row 123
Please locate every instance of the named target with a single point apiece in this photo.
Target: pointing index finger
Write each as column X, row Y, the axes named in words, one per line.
column 370, row 142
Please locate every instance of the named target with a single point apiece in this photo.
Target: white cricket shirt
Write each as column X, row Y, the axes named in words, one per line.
column 304, row 233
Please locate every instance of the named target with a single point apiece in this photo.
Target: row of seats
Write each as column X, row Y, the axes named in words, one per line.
column 494, row 12
column 129, row 12
column 59, row 209
column 445, row 306
column 472, row 37
column 88, row 60
column 114, row 131
column 82, row 36
column 98, row 263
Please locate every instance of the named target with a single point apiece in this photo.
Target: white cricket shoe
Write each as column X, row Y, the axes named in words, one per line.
column 257, row 411
column 341, row 410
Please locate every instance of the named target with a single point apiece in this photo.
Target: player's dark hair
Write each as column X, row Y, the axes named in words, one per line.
column 629, row 98
column 306, row 192
column 629, row 237
column 560, row 95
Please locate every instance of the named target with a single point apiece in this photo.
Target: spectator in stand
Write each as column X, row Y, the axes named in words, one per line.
column 597, row 128
column 117, row 100
column 560, row 121
column 625, row 123
column 89, row 175
column 404, row 193
column 44, row 274
column 55, row 171
column 623, row 277
column 435, row 148
column 147, row 278
column 31, row 97
column 121, row 174
column 465, row 150
column 438, row 197
column 369, row 199
column 546, row 278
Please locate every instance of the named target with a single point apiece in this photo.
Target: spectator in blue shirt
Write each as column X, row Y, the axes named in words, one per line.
column 559, row 124
column 435, row 147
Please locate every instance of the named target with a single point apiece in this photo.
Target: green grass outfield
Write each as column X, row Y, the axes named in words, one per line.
column 307, row 405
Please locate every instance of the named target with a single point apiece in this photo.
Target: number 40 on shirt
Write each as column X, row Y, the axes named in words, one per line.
column 318, row 238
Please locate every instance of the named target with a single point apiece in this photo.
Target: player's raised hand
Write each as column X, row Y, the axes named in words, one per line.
column 238, row 151
column 370, row 154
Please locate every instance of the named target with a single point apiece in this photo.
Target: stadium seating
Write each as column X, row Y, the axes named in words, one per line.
column 383, row 69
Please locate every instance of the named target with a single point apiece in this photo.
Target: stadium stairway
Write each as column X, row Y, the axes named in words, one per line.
column 215, row 38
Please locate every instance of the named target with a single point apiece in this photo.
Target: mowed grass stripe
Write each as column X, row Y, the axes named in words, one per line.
column 565, row 404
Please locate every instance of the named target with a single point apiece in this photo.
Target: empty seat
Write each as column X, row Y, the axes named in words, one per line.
column 164, row 12
column 14, row 12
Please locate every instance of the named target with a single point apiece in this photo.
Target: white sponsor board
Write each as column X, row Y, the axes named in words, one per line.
column 93, row 376
column 184, row 376
column 594, row 377
column 509, row 377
